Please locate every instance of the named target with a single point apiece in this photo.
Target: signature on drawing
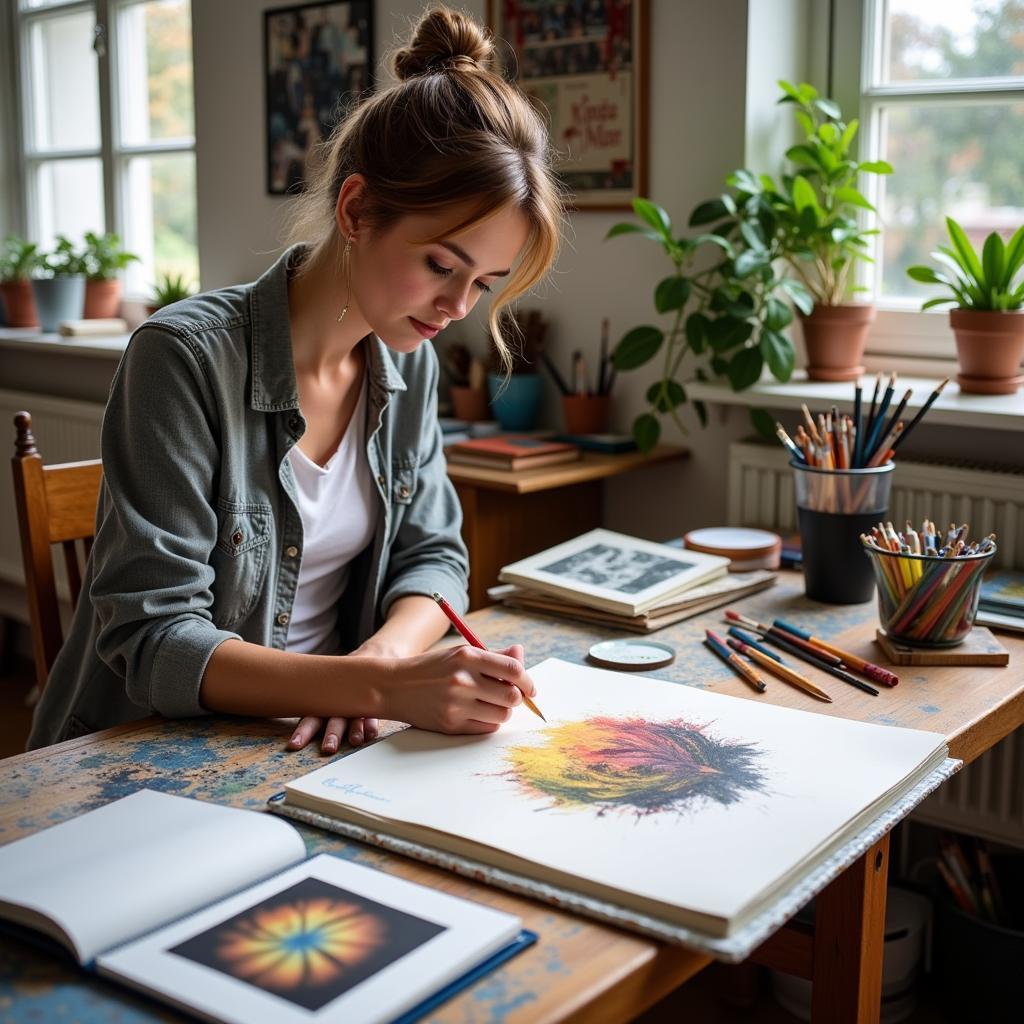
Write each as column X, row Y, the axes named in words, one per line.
column 355, row 790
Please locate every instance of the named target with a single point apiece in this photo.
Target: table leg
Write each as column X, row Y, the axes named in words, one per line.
column 849, row 937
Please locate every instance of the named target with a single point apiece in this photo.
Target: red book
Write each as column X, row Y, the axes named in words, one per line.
column 512, row 451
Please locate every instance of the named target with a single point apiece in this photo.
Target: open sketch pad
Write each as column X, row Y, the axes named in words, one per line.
column 693, row 807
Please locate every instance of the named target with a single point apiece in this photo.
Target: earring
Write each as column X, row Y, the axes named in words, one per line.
column 347, row 259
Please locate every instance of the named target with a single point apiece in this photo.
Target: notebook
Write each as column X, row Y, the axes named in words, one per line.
column 217, row 912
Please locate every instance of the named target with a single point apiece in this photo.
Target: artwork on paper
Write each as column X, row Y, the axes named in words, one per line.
column 309, row 943
column 623, row 569
column 634, row 766
column 318, row 60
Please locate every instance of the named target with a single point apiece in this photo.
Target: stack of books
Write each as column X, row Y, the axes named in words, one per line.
column 613, row 579
column 511, row 452
column 1001, row 605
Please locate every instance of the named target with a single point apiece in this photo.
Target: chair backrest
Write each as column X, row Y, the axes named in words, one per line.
column 56, row 505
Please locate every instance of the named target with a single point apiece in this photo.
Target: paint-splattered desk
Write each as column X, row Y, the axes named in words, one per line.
column 580, row 970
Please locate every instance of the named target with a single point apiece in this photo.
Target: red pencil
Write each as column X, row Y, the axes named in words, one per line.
column 474, row 641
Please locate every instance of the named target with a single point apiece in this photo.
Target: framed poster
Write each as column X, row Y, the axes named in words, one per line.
column 584, row 62
column 318, row 57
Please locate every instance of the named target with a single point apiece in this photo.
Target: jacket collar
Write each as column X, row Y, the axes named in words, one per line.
column 273, row 369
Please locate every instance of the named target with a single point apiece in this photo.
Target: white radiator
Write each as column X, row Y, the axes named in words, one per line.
column 987, row 799
column 65, row 431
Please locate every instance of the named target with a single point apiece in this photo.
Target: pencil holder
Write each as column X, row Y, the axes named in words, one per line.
column 834, row 507
column 469, row 403
column 925, row 600
column 516, row 401
column 585, row 414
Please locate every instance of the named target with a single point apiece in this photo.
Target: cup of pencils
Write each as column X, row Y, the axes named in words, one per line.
column 928, row 585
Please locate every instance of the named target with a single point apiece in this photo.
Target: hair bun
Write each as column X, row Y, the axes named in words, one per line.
column 443, row 40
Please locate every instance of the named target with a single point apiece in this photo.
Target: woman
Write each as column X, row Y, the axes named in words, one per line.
column 274, row 486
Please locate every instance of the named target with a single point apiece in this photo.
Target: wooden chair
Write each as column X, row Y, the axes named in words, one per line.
column 56, row 505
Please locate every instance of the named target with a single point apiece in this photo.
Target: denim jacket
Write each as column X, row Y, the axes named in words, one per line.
column 198, row 534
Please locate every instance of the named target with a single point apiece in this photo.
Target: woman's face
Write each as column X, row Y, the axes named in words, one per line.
column 407, row 289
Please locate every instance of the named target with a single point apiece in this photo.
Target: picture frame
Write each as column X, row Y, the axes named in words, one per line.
column 584, row 63
column 317, row 59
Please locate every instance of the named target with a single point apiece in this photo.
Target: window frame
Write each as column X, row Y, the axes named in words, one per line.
column 903, row 337
column 114, row 154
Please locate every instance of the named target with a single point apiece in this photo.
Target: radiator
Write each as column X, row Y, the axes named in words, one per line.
column 986, row 799
column 65, row 431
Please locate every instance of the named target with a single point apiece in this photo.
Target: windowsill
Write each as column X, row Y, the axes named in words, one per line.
column 996, row 412
column 28, row 339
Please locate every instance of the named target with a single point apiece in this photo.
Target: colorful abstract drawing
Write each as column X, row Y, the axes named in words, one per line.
column 635, row 766
column 309, row 943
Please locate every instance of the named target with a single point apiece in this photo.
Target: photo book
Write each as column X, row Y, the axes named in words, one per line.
column 693, row 808
column 216, row 911
column 615, row 573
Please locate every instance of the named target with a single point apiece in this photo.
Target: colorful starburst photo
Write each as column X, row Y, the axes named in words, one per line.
column 634, row 766
column 309, row 943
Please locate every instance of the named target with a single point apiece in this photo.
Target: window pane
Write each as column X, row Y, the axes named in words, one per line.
column 160, row 219
column 64, row 104
column 936, row 39
column 69, row 199
column 962, row 161
column 154, row 55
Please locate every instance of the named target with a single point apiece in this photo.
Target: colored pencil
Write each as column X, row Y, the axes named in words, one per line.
column 474, row 641
column 767, row 630
column 875, row 433
column 871, row 412
column 874, row 672
column 784, row 672
column 920, row 414
column 714, row 642
column 858, row 440
column 752, row 641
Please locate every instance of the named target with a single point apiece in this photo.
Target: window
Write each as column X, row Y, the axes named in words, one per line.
column 107, row 128
column 940, row 89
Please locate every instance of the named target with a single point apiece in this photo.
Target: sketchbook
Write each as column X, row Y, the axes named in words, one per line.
column 217, row 911
column 694, row 809
column 613, row 572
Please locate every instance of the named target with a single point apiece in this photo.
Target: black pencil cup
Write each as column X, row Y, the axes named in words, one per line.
column 834, row 507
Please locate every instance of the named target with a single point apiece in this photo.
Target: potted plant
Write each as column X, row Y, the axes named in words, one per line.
column 729, row 316
column 18, row 259
column 815, row 211
column 514, row 385
column 60, row 295
column 988, row 322
column 104, row 258
column 168, row 289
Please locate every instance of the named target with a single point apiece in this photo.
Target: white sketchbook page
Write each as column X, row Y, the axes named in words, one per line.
column 139, row 862
column 471, row 934
column 818, row 774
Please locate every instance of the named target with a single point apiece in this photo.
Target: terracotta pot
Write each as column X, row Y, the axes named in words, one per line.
column 102, row 299
column 19, row 304
column 469, row 403
column 989, row 348
column 585, row 414
column 834, row 337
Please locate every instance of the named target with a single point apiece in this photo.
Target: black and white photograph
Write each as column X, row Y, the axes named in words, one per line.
column 617, row 568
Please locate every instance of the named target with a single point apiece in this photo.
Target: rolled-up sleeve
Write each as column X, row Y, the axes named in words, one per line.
column 151, row 589
column 428, row 553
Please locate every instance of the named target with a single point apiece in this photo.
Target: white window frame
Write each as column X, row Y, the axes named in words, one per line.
column 114, row 153
column 903, row 338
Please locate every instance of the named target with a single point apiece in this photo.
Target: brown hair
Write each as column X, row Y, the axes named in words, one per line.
column 449, row 130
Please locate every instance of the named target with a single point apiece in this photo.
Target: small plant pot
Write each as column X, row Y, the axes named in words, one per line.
column 19, row 304
column 516, row 401
column 102, row 299
column 989, row 348
column 835, row 338
column 57, row 299
column 585, row 414
column 469, row 403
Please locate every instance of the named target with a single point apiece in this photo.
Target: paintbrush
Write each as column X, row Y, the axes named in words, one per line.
column 784, row 672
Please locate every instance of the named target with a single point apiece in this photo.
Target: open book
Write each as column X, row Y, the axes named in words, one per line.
column 614, row 572
column 691, row 807
column 217, row 911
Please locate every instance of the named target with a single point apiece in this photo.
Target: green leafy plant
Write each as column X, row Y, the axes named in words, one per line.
column 65, row 260
column 104, row 256
column 18, row 259
column 815, row 208
column 170, row 289
column 990, row 281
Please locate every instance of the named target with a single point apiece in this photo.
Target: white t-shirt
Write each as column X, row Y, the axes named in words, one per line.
column 336, row 507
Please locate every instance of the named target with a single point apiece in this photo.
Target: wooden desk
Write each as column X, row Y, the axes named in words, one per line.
column 580, row 971
column 507, row 516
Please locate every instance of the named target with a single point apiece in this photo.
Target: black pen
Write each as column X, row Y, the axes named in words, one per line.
column 803, row 655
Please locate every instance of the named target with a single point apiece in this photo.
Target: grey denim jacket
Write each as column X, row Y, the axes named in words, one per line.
column 198, row 534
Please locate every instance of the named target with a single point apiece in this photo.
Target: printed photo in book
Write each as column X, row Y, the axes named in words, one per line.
column 615, row 572
column 695, row 808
